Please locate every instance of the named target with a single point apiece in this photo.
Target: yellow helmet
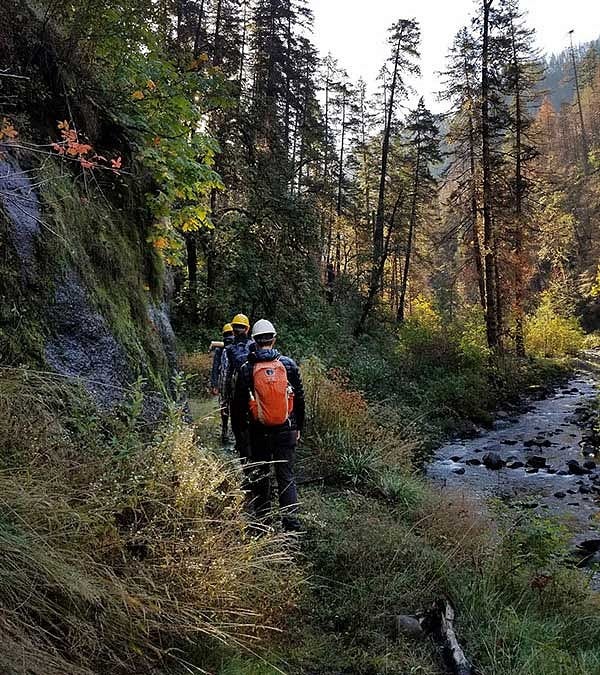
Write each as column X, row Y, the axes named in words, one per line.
column 240, row 320
column 228, row 328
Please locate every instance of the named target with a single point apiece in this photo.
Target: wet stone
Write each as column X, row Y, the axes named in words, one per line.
column 459, row 471
column 473, row 462
column 576, row 469
column 560, row 495
column 537, row 462
column 456, row 458
column 493, row 461
column 589, row 465
column 515, row 465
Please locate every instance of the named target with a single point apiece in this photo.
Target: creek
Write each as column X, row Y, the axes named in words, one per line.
column 542, row 457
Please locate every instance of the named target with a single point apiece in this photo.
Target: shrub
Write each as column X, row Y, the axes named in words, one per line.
column 347, row 437
column 551, row 335
column 197, row 368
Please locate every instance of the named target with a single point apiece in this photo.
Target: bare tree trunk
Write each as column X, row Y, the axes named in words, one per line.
column 217, row 39
column 474, row 206
column 488, row 226
column 341, row 166
column 192, row 261
column 199, row 27
column 379, row 218
column 411, row 230
column 242, row 56
column 519, row 262
column 376, row 278
column 584, row 142
column 286, row 116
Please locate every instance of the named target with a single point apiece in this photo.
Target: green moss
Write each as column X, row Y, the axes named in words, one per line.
column 107, row 247
column 22, row 336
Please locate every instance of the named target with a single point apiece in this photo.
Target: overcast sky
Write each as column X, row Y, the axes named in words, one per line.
column 354, row 31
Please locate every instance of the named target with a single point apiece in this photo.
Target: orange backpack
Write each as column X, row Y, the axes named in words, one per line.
column 272, row 400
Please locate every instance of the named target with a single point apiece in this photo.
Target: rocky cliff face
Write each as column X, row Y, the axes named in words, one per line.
column 75, row 285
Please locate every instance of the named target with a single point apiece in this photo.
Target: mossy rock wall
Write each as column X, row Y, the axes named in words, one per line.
column 81, row 291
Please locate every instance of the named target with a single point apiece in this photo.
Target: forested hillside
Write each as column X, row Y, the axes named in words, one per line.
column 166, row 165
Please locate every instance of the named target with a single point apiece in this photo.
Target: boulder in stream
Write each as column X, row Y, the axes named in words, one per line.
column 493, row 461
column 575, row 468
column 537, row 462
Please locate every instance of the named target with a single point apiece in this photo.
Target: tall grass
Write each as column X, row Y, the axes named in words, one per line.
column 347, row 437
column 124, row 560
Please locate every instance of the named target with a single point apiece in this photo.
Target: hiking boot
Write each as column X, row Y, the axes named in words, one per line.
column 291, row 525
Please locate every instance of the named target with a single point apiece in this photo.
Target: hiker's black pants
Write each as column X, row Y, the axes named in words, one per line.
column 278, row 447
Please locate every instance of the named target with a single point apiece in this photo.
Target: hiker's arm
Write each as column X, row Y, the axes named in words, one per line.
column 299, row 404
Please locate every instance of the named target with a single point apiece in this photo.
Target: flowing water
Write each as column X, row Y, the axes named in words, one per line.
column 542, row 458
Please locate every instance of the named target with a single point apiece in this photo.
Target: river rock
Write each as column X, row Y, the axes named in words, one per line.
column 455, row 458
column 473, row 462
column 560, row 495
column 575, row 468
column 589, row 545
column 493, row 461
column 515, row 465
column 459, row 471
column 537, row 462
column 589, row 465
column 409, row 626
column 585, row 490
column 508, row 441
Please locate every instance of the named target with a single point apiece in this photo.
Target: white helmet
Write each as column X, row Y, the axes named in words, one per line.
column 263, row 327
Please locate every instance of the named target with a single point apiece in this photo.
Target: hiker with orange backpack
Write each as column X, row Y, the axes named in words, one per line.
column 268, row 403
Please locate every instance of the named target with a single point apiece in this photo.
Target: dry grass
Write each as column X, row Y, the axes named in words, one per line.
column 126, row 561
column 344, row 430
column 197, row 366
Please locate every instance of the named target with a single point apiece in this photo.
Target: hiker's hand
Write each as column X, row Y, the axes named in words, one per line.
column 298, row 434
column 214, row 391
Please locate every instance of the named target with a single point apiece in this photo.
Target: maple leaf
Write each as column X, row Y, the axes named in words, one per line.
column 86, row 164
column 63, row 126
column 58, row 148
column 151, row 85
column 137, row 95
column 116, row 163
column 160, row 243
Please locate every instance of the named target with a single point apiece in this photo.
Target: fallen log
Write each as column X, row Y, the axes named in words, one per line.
column 438, row 622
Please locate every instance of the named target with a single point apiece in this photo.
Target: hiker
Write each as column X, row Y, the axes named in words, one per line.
column 268, row 403
column 217, row 349
column 232, row 359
